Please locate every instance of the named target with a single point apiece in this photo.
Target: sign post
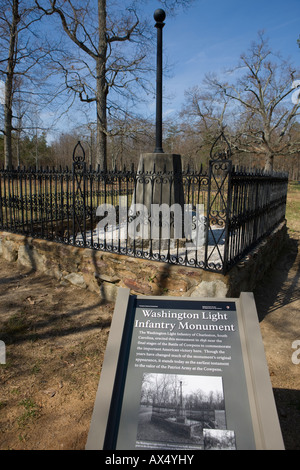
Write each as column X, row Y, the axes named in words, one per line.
column 182, row 373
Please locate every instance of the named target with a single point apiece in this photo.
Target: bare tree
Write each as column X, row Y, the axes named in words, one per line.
column 98, row 64
column 205, row 114
column 19, row 54
column 110, row 58
column 206, row 109
column 265, row 109
column 11, row 63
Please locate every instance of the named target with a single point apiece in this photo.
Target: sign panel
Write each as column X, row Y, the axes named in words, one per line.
column 191, row 377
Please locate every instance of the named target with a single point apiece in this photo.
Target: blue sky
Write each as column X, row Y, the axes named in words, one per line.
column 212, row 34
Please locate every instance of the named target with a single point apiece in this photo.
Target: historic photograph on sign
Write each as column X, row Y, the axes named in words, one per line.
column 183, row 412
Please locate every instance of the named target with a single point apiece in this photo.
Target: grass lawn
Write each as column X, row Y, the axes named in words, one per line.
column 293, row 208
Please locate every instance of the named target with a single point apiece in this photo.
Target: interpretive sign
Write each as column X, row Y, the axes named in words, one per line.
column 182, row 373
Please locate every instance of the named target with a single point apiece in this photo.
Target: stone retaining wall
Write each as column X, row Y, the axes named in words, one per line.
column 104, row 272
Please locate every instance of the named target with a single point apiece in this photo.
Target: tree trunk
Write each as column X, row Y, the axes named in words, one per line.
column 8, row 122
column 101, row 150
column 102, row 89
column 8, row 115
column 269, row 163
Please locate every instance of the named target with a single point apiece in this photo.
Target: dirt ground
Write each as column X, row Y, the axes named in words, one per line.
column 278, row 305
column 55, row 339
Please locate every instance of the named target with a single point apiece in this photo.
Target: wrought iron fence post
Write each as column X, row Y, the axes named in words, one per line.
column 227, row 220
column 79, row 203
column 218, row 205
column 207, row 216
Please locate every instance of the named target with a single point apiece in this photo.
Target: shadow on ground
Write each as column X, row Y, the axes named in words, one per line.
column 280, row 286
column 278, row 305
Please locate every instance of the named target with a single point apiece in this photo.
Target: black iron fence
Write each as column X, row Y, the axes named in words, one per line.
column 223, row 212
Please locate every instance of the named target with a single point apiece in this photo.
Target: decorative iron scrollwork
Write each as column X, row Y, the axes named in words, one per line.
column 220, row 149
column 81, row 157
column 79, row 195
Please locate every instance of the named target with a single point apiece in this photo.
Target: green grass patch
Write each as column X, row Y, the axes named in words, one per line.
column 31, row 411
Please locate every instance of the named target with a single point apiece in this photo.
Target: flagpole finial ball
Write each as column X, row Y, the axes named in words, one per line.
column 159, row 15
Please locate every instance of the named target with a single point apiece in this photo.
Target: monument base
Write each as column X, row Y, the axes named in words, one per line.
column 159, row 181
column 164, row 172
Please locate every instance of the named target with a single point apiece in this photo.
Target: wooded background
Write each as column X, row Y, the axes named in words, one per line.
column 97, row 60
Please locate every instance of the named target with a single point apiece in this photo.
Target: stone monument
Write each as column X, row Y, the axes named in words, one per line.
column 159, row 174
